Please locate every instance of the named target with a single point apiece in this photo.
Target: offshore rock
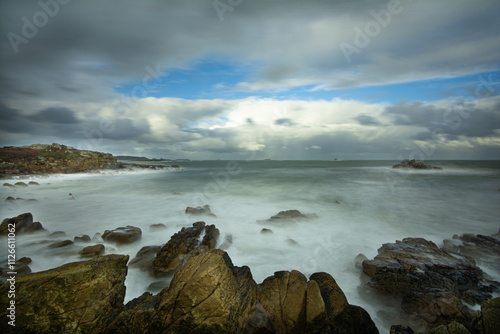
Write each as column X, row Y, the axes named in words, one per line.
column 412, row 164
column 183, row 244
column 92, row 251
column 123, row 235
column 200, row 210
column 21, row 224
column 80, row 297
column 430, row 282
column 55, row 158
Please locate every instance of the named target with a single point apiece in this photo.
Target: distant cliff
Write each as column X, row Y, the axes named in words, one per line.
column 49, row 159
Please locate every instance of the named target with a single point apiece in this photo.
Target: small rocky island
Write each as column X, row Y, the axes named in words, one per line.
column 412, row 164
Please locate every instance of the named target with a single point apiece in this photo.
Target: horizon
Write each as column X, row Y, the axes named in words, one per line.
column 218, row 80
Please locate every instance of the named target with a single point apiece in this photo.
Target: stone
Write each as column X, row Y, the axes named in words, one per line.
column 182, row 244
column 10, row 199
column 21, row 224
column 430, row 282
column 452, row 328
column 200, row 210
column 9, row 185
column 123, row 235
column 144, row 258
column 490, row 316
column 266, row 231
column 20, row 184
column 80, row 297
column 92, row 251
column 33, row 183
column 412, row 164
column 61, row 244
column 157, row 227
column 287, row 215
column 401, row 329
column 83, row 238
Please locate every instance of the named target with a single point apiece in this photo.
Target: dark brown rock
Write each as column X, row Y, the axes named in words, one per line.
column 452, row 328
column 80, row 297
column 83, row 238
column 412, row 164
column 92, row 251
column 430, row 282
column 182, row 244
column 20, row 224
column 199, row 211
column 144, row 258
column 288, row 215
column 61, row 244
column 157, row 227
column 490, row 316
column 266, row 231
column 123, row 235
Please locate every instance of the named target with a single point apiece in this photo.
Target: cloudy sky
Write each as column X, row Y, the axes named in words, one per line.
column 244, row 79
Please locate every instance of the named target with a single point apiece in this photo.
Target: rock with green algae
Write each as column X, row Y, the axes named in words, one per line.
column 79, row 297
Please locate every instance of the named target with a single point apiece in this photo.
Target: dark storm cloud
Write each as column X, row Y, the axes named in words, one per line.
column 467, row 119
column 55, row 115
column 367, row 120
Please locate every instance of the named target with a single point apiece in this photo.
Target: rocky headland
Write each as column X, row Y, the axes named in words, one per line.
column 39, row 159
column 200, row 290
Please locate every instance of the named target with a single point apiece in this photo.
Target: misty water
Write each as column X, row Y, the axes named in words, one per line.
column 359, row 206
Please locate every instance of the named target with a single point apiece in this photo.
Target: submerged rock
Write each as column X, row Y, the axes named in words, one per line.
column 412, row 164
column 80, row 297
column 430, row 282
column 144, row 258
column 289, row 214
column 20, row 224
column 123, row 235
column 182, row 244
column 200, row 210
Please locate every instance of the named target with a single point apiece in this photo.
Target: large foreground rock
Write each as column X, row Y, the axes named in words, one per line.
column 80, row 297
column 20, row 224
column 189, row 240
column 430, row 282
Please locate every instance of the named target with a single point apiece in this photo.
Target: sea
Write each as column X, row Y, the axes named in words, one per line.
column 354, row 206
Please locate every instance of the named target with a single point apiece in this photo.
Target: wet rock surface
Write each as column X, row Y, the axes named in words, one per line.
column 80, row 297
column 122, row 235
column 181, row 245
column 431, row 282
column 20, row 224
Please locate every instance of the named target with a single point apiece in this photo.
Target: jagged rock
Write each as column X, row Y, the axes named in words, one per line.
column 20, row 224
column 144, row 258
column 452, row 328
column 200, row 210
column 92, row 251
column 480, row 247
column 157, row 227
column 295, row 305
column 490, row 316
column 207, row 295
column 182, row 244
column 80, row 297
column 430, row 281
column 412, row 164
column 122, row 235
column 401, row 329
column 83, row 238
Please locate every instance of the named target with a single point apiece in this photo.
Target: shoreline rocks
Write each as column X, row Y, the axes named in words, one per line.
column 20, row 224
column 430, row 282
